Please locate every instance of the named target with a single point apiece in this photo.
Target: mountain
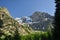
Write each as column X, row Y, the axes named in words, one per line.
column 43, row 20
column 37, row 21
column 8, row 25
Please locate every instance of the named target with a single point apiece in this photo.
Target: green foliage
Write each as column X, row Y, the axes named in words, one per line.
column 33, row 36
column 36, row 36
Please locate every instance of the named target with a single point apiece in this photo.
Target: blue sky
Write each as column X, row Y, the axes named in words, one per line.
column 19, row 8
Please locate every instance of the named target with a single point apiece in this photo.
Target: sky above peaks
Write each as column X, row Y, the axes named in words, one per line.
column 19, row 8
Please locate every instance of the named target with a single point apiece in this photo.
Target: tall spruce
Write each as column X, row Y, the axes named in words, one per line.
column 56, row 33
column 16, row 36
column 1, row 23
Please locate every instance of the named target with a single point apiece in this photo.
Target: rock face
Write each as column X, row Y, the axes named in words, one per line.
column 42, row 19
column 3, row 12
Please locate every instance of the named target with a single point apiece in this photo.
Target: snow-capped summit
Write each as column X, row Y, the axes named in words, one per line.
column 24, row 19
column 18, row 20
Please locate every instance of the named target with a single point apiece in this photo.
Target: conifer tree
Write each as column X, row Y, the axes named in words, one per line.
column 1, row 23
column 56, row 32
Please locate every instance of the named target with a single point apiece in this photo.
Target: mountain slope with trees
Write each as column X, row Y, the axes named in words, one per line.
column 8, row 24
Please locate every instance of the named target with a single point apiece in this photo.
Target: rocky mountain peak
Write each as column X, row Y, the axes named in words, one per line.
column 40, row 16
column 43, row 19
